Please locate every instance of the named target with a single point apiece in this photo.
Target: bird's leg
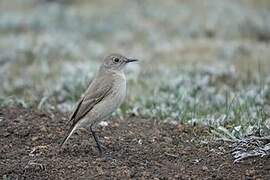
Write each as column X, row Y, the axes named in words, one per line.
column 96, row 139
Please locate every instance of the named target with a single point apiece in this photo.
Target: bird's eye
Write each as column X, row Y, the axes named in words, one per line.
column 116, row 60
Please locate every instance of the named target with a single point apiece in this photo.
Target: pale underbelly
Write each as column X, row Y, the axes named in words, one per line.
column 106, row 107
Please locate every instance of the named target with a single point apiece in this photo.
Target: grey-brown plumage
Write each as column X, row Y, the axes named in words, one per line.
column 106, row 92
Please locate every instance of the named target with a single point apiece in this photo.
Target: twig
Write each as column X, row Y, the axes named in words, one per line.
column 171, row 155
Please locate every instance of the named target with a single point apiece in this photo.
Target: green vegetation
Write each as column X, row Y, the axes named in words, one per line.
column 194, row 68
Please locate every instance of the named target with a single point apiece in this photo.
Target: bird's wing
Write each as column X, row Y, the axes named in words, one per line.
column 97, row 91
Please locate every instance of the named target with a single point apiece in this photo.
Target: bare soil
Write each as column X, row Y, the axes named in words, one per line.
column 136, row 149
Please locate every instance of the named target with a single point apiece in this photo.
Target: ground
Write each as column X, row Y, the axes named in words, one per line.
column 198, row 66
column 135, row 148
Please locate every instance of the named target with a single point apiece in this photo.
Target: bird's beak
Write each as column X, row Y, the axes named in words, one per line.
column 131, row 60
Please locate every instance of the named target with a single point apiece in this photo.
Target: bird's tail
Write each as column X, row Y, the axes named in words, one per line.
column 70, row 132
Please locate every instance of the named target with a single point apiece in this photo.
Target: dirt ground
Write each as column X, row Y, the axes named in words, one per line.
column 136, row 149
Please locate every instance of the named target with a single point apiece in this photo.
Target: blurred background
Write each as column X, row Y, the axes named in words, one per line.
column 202, row 62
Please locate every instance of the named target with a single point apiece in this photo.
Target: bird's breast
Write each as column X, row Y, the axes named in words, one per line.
column 114, row 99
column 119, row 88
column 118, row 92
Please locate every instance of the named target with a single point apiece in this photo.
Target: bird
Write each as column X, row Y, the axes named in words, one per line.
column 103, row 96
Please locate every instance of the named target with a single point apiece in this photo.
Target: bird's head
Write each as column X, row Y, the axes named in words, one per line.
column 116, row 62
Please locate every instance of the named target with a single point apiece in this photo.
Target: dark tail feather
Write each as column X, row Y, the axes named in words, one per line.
column 70, row 132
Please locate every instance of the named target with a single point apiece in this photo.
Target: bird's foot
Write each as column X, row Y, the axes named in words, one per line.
column 107, row 157
column 103, row 147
